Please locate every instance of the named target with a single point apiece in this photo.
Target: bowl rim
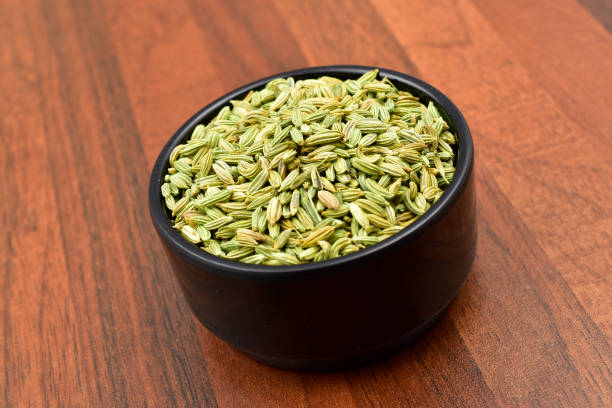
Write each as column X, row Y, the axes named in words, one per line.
column 235, row 269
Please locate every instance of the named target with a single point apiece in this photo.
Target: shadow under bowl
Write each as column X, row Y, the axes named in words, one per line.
column 347, row 311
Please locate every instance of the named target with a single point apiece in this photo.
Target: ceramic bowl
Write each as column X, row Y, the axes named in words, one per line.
column 346, row 311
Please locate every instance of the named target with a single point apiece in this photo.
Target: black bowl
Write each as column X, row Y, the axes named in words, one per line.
column 342, row 312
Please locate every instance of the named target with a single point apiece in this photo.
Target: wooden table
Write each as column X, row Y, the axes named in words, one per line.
column 91, row 314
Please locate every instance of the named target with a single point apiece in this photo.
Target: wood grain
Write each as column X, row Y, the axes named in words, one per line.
column 91, row 314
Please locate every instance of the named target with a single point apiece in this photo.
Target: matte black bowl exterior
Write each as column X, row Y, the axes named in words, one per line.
column 343, row 312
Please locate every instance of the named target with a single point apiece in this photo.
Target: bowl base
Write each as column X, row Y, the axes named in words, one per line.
column 347, row 362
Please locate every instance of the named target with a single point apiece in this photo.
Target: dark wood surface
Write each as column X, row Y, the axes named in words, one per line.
column 90, row 313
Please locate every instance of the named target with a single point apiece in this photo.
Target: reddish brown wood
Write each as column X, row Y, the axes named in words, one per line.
column 90, row 312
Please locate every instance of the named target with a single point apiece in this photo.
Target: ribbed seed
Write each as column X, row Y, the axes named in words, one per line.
column 328, row 199
column 190, row 234
column 318, row 235
column 282, row 239
column 258, row 182
column 223, row 171
column 359, row 215
column 309, row 207
column 274, row 211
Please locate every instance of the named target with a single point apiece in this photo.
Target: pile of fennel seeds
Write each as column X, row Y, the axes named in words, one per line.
column 308, row 170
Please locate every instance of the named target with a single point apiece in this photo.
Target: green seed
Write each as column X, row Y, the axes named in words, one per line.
column 359, row 215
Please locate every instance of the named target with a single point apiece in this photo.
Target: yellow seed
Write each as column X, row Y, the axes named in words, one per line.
column 328, row 199
column 274, row 211
column 326, row 184
column 320, row 234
